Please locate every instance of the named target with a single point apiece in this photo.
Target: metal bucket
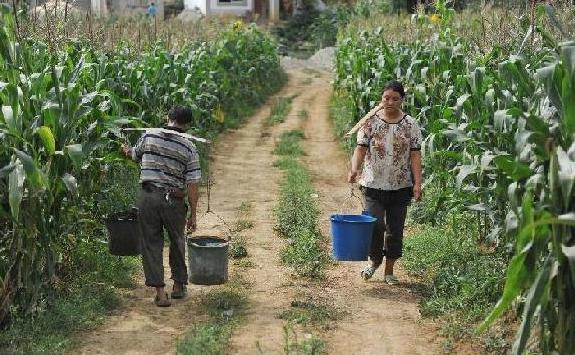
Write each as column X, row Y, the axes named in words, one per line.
column 208, row 260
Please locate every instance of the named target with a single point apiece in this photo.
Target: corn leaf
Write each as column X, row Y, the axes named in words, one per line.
column 33, row 173
column 537, row 291
column 516, row 275
column 515, row 170
column 71, row 183
column 16, row 189
column 569, row 253
column 76, row 154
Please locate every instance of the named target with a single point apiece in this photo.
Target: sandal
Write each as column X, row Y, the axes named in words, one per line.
column 368, row 272
column 162, row 303
column 179, row 294
column 391, row 279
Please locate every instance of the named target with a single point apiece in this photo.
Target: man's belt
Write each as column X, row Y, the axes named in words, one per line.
column 172, row 192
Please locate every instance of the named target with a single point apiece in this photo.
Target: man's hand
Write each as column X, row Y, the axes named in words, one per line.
column 417, row 192
column 191, row 224
column 127, row 150
column 352, row 176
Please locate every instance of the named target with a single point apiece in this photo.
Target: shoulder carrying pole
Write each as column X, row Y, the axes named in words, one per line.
column 362, row 121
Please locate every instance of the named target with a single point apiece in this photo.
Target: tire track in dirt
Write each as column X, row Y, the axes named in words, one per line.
column 380, row 319
column 272, row 287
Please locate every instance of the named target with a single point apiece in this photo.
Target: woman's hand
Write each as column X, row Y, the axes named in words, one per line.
column 352, row 176
column 417, row 192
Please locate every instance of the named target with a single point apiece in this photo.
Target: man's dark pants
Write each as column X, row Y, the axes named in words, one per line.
column 154, row 214
column 390, row 209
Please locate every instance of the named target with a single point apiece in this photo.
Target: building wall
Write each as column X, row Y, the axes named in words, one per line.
column 200, row 4
column 237, row 8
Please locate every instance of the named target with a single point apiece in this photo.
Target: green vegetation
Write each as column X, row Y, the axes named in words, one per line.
column 280, row 110
column 225, row 308
column 243, row 224
column 499, row 126
column 310, row 345
column 303, row 114
column 311, row 313
column 63, row 107
column 289, row 144
column 297, row 212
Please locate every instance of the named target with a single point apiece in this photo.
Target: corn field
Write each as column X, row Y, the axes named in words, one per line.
column 500, row 142
column 60, row 125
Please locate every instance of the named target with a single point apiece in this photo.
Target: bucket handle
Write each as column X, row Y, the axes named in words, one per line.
column 352, row 195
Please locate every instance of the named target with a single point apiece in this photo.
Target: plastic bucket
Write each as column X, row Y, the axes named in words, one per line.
column 124, row 233
column 351, row 236
column 208, row 260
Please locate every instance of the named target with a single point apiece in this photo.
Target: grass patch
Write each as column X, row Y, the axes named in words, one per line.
column 280, row 110
column 303, row 115
column 310, row 344
column 245, row 207
column 311, row 313
column 225, row 308
column 243, row 224
column 461, row 281
column 238, row 248
column 82, row 304
column 289, row 143
column 297, row 212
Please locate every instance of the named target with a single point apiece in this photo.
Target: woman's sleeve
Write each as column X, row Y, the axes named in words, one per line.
column 416, row 139
column 364, row 135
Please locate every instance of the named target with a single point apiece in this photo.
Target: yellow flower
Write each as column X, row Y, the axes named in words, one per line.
column 238, row 25
column 219, row 115
column 435, row 18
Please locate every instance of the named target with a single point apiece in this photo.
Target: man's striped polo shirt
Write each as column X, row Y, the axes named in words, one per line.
column 167, row 160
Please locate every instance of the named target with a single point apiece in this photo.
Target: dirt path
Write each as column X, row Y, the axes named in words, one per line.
column 380, row 319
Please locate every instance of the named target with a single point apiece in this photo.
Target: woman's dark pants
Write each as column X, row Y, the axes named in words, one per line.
column 390, row 209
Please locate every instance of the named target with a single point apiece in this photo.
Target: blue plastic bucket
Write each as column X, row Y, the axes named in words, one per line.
column 351, row 236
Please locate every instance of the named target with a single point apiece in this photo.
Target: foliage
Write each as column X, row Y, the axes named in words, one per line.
column 297, row 212
column 289, row 143
column 225, row 307
column 499, row 142
column 312, row 312
column 279, row 111
column 61, row 119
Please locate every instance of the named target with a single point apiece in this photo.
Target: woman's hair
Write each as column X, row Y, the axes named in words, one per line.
column 395, row 86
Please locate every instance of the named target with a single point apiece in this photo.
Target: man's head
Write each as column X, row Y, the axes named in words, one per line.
column 181, row 116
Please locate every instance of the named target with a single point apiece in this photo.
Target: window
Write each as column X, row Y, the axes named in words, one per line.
column 233, row 2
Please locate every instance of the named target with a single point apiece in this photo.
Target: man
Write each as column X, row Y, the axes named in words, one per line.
column 170, row 167
column 152, row 10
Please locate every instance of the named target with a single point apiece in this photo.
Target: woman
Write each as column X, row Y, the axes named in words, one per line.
column 389, row 146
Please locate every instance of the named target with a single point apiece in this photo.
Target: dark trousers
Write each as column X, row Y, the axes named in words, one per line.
column 390, row 209
column 154, row 214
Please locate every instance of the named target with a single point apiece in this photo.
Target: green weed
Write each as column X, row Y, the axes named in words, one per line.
column 225, row 307
column 303, row 114
column 238, row 248
column 243, row 224
column 311, row 313
column 297, row 212
column 311, row 344
column 289, row 143
column 279, row 111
